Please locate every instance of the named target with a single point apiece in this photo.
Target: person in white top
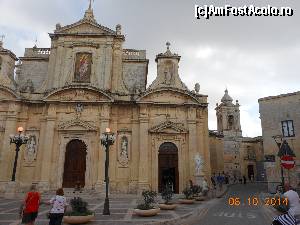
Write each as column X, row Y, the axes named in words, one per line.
column 293, row 214
column 59, row 205
column 293, row 200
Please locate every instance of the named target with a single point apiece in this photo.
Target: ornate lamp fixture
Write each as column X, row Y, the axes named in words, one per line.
column 18, row 139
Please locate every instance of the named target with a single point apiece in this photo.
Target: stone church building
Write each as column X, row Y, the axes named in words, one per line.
column 66, row 96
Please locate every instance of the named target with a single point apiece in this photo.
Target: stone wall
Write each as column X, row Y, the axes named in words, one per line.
column 273, row 110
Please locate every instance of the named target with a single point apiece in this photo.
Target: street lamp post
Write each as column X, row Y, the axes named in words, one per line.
column 18, row 139
column 107, row 139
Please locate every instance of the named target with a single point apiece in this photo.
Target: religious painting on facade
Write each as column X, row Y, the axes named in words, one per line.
column 83, row 67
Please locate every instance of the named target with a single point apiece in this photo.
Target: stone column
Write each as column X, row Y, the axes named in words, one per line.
column 144, row 169
column 134, row 169
column 192, row 141
column 8, row 150
column 108, row 66
column 47, row 148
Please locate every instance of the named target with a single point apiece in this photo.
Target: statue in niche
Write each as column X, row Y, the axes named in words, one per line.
column 199, row 163
column 30, row 153
column 169, row 73
column 124, row 151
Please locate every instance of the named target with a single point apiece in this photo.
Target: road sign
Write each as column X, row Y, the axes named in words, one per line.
column 287, row 162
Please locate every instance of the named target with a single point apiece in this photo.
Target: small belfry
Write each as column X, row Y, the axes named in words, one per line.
column 228, row 116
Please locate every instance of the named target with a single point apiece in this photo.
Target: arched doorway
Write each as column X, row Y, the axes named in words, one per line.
column 250, row 171
column 168, row 166
column 75, row 164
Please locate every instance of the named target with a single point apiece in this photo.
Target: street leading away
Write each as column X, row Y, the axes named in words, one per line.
column 221, row 212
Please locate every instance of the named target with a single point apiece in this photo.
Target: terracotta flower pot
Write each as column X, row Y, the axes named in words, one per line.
column 78, row 219
column 149, row 212
column 186, row 201
column 167, row 206
column 200, row 198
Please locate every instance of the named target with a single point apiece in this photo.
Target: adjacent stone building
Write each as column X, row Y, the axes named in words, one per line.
column 280, row 120
column 65, row 96
column 242, row 156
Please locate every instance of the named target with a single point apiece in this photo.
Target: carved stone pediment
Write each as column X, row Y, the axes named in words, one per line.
column 169, row 127
column 170, row 96
column 85, row 27
column 82, row 95
column 6, row 94
column 77, row 125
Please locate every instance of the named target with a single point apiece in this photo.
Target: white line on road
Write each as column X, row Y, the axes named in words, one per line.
column 8, row 210
column 7, row 203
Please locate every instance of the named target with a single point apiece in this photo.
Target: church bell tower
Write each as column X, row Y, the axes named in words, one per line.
column 228, row 116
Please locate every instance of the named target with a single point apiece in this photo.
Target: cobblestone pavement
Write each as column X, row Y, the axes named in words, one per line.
column 221, row 212
column 121, row 208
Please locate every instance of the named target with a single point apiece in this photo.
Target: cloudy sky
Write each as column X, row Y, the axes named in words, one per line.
column 253, row 57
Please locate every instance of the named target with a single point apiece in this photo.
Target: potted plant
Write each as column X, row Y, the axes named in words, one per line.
column 147, row 208
column 197, row 189
column 188, row 196
column 167, row 195
column 80, row 213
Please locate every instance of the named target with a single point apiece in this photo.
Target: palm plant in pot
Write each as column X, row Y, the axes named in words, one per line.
column 80, row 213
column 167, row 195
column 188, row 196
column 147, row 208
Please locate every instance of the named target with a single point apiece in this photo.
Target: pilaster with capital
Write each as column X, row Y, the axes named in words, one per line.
column 47, row 144
column 117, row 66
column 143, row 182
column 8, row 150
column 192, row 127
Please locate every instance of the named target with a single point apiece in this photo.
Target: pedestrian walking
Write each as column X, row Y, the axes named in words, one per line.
column 30, row 207
column 220, row 181
column 213, row 181
column 293, row 214
column 59, row 206
column 244, row 179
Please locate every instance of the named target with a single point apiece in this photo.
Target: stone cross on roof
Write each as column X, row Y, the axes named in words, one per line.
column 90, row 6
column 2, row 37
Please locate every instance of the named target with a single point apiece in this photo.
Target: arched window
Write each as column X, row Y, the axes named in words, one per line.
column 230, row 122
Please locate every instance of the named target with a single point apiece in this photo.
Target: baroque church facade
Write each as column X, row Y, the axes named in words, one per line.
column 67, row 95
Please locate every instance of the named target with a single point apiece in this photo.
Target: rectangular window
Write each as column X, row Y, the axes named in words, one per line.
column 287, row 128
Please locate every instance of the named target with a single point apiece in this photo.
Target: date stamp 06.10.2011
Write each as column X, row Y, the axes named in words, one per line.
column 256, row 201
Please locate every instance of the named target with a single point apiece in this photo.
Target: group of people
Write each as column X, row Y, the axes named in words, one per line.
column 30, row 207
column 219, row 180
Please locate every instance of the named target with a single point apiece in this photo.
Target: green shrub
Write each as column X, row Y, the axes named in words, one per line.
column 79, row 208
column 149, row 200
column 188, row 193
column 196, row 189
column 167, row 195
